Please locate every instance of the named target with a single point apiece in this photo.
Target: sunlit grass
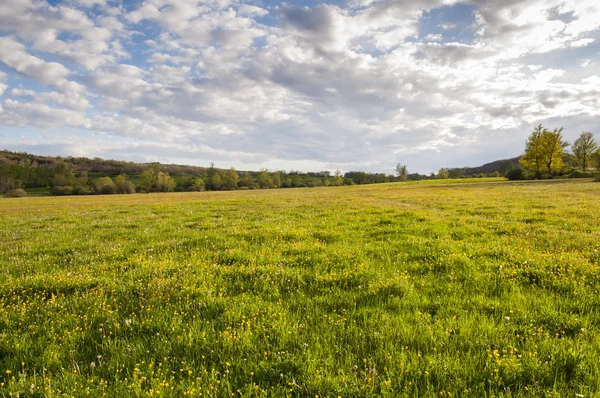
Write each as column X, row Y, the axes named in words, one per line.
column 415, row 289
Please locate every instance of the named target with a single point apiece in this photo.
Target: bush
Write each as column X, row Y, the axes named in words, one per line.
column 515, row 174
column 105, row 185
column 107, row 189
column 79, row 189
column 15, row 193
column 178, row 189
column 125, row 187
column 580, row 174
column 59, row 190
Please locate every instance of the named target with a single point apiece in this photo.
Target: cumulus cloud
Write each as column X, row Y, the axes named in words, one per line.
column 356, row 85
column 63, row 30
column 3, row 85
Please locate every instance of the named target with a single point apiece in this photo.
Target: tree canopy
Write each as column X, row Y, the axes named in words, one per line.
column 544, row 151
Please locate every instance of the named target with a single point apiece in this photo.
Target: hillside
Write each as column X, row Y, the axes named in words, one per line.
column 497, row 165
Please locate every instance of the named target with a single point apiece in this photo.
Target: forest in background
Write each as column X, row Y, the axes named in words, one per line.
column 545, row 156
column 58, row 175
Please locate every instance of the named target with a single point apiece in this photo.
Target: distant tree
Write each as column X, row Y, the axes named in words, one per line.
column 199, row 184
column 105, row 185
column 216, row 181
column 297, row 181
column 443, row 174
column 455, row 172
column 310, row 181
column 231, row 179
column 286, row 182
column 337, row 179
column 595, row 159
column 402, row 172
column 123, row 185
column 148, row 180
column 264, row 179
column 184, row 183
column 83, row 179
column 8, row 183
column 515, row 174
column 505, row 166
column 325, row 181
column 276, row 179
column 246, row 180
column 544, row 151
column 164, row 182
column 583, row 149
column 64, row 178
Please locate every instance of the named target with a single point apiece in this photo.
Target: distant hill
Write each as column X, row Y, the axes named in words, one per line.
column 94, row 165
column 500, row 166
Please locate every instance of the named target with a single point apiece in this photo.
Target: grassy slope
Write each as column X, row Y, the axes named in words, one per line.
column 393, row 289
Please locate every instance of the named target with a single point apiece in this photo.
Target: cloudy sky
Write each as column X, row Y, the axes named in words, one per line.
column 303, row 84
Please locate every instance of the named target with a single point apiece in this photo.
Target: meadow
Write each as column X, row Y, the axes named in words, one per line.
column 436, row 289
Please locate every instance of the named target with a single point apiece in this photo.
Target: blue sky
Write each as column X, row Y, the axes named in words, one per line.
column 303, row 85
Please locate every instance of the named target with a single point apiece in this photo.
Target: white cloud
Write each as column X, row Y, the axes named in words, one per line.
column 40, row 116
column 3, row 85
column 433, row 37
column 41, row 25
column 14, row 55
column 51, row 74
column 352, row 86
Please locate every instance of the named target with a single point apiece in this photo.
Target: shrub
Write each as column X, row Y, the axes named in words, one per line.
column 125, row 187
column 79, row 189
column 107, row 189
column 515, row 174
column 178, row 189
column 15, row 193
column 59, row 190
column 580, row 174
column 105, row 185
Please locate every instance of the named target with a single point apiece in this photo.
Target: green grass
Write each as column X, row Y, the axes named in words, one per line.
column 479, row 289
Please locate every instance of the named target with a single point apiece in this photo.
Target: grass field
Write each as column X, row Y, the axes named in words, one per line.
column 480, row 289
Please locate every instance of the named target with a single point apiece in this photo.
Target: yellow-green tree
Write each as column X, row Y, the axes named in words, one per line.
column 264, row 179
column 544, row 151
column 164, row 182
column 231, row 179
column 583, row 149
column 402, row 172
column 199, row 184
column 123, row 185
column 148, row 179
column 443, row 174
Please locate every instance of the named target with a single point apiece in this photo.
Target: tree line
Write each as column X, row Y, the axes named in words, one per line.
column 83, row 176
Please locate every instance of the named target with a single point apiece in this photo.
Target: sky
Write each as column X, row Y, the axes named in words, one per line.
column 297, row 85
